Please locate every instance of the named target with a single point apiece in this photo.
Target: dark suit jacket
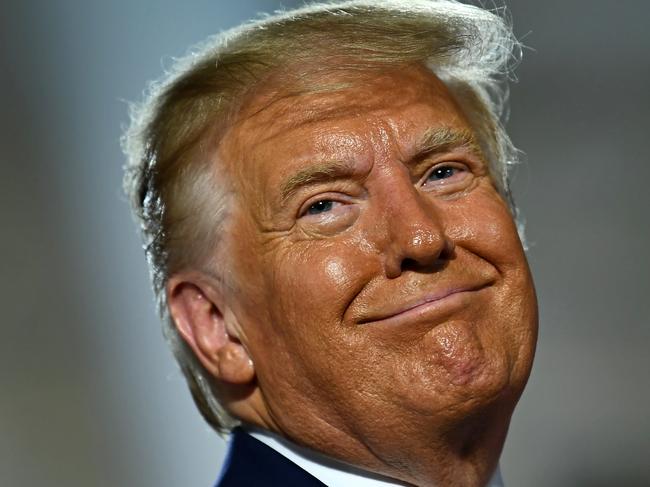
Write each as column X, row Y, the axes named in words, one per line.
column 251, row 463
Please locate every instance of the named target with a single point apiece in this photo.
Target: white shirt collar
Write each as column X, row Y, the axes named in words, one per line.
column 331, row 472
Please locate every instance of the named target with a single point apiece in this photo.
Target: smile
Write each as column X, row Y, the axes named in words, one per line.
column 428, row 307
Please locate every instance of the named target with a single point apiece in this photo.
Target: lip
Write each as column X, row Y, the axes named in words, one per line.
column 426, row 306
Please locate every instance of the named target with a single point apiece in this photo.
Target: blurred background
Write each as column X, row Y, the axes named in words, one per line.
column 90, row 395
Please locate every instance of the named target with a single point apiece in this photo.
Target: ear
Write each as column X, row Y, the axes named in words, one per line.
column 197, row 308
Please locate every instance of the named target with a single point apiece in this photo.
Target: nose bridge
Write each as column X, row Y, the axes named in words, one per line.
column 415, row 228
column 413, row 217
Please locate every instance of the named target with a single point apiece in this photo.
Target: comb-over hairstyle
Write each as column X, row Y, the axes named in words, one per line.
column 179, row 192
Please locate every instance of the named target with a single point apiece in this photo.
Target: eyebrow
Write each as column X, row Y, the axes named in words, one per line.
column 440, row 139
column 434, row 140
column 317, row 173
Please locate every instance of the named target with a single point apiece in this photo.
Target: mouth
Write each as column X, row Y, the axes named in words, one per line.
column 427, row 307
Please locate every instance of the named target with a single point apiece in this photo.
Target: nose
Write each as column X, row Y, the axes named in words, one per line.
column 416, row 235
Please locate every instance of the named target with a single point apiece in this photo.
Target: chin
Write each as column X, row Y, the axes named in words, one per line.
column 463, row 379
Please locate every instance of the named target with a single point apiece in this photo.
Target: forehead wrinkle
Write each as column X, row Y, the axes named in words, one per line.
column 316, row 155
column 283, row 111
column 301, row 119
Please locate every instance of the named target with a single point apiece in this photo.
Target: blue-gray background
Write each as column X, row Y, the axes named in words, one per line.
column 89, row 394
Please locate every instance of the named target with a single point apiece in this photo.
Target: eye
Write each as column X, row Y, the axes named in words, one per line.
column 443, row 172
column 446, row 174
column 326, row 205
column 322, row 206
column 328, row 216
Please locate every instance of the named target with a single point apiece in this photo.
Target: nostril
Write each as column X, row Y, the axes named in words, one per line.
column 424, row 267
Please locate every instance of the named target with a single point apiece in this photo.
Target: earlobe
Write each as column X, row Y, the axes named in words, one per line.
column 198, row 314
column 235, row 365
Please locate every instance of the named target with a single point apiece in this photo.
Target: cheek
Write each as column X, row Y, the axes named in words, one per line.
column 336, row 271
column 484, row 228
column 482, row 224
column 486, row 236
column 312, row 285
column 318, row 281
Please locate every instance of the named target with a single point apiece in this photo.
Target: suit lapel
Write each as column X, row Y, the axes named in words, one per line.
column 251, row 463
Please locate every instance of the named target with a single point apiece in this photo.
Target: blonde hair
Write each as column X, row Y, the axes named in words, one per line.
column 178, row 194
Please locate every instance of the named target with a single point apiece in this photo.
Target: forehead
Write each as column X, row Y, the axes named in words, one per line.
column 366, row 115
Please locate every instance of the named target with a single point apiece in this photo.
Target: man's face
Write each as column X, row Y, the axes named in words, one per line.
column 375, row 271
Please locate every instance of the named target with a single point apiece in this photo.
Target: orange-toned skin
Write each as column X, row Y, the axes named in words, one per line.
column 391, row 326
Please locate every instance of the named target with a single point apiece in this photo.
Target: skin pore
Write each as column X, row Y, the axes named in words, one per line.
column 378, row 306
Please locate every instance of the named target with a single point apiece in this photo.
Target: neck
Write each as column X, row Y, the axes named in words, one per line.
column 460, row 453
column 463, row 457
column 333, row 472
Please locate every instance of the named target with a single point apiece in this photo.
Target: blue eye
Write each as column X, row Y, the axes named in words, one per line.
column 442, row 172
column 320, row 207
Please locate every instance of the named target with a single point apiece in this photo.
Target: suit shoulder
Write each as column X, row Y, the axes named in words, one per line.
column 251, row 463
